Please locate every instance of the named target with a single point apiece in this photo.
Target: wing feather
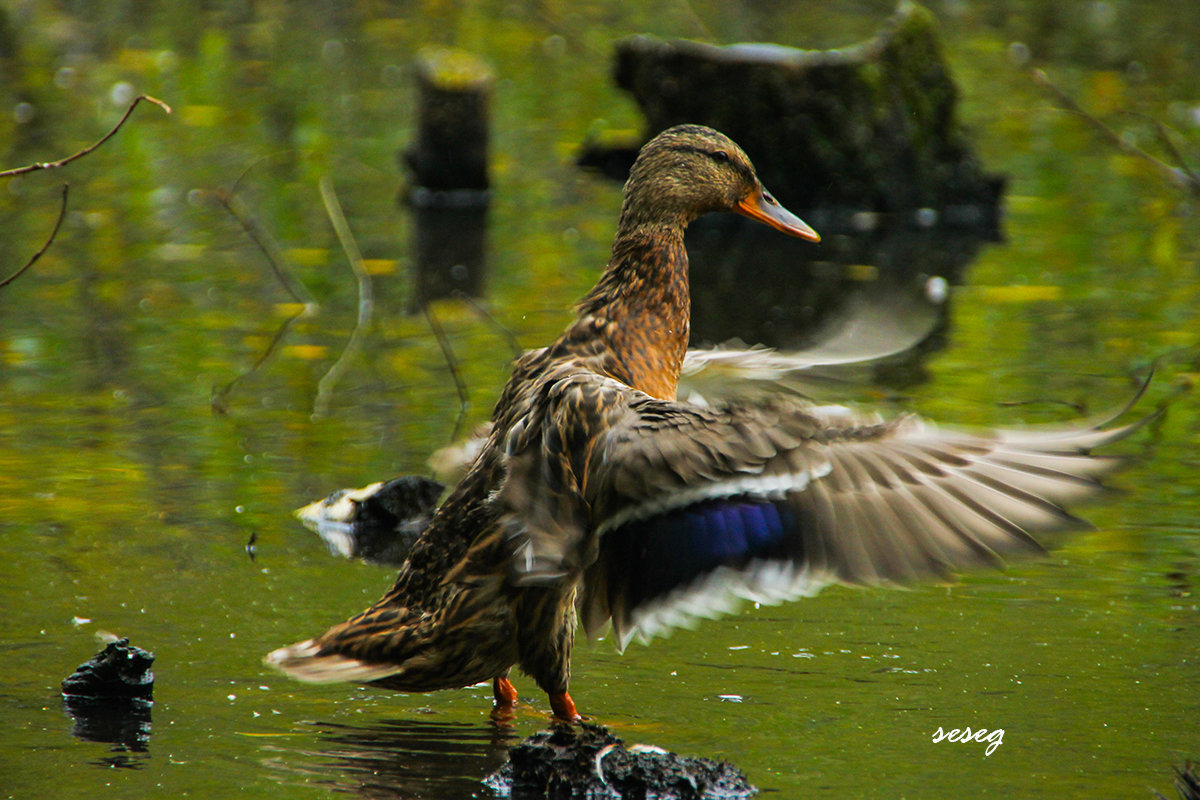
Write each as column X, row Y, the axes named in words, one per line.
column 680, row 510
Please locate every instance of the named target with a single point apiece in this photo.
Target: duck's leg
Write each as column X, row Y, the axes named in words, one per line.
column 564, row 707
column 546, row 633
column 503, row 691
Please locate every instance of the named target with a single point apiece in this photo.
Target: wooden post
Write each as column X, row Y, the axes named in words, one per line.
column 449, row 189
column 450, row 153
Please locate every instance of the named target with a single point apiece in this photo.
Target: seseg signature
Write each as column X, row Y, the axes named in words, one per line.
column 963, row 735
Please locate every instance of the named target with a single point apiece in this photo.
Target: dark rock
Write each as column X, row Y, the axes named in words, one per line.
column 110, row 696
column 586, row 761
column 871, row 127
column 378, row 523
column 120, row 670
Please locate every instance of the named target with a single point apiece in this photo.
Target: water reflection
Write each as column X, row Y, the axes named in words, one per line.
column 450, row 244
column 859, row 293
column 123, row 722
column 378, row 523
column 788, row 292
column 401, row 758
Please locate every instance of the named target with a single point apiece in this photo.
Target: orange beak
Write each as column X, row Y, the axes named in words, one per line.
column 760, row 205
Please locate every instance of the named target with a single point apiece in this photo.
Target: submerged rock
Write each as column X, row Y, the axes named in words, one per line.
column 378, row 523
column 586, row 761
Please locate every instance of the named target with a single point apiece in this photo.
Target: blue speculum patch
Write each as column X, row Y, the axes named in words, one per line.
column 673, row 549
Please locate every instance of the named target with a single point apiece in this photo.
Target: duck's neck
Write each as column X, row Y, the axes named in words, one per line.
column 637, row 317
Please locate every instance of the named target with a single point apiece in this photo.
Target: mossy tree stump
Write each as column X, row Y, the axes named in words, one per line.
column 454, row 93
column 869, row 127
column 449, row 187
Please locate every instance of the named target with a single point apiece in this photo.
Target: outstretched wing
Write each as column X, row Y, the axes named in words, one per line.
column 672, row 512
column 732, row 369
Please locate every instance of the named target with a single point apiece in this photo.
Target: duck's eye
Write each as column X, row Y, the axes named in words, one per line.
column 720, row 156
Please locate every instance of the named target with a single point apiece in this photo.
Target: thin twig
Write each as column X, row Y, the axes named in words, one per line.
column 1077, row 408
column 482, row 311
column 1164, row 137
column 62, row 212
column 63, row 162
column 267, row 244
column 219, row 396
column 464, row 402
column 274, row 256
column 366, row 302
column 1179, row 176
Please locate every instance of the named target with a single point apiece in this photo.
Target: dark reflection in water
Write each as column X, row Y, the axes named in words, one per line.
column 123, row 722
column 402, row 758
column 450, row 244
column 751, row 283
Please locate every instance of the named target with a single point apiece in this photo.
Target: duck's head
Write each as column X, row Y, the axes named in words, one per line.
column 691, row 170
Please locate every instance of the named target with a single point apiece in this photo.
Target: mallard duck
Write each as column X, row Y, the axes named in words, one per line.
column 598, row 496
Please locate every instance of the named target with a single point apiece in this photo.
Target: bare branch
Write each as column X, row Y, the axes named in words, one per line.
column 1164, row 137
column 1180, row 176
column 270, row 249
column 62, row 212
column 297, row 290
column 464, row 401
column 1076, row 408
column 63, row 162
column 366, row 302
column 483, row 312
column 220, row 396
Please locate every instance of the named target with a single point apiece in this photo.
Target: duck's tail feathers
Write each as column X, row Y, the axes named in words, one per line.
column 304, row 661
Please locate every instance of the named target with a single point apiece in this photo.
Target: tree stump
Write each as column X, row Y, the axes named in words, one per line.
column 450, row 153
column 870, row 127
column 449, row 186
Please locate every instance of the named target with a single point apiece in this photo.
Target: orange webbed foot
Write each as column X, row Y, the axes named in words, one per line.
column 504, row 693
column 564, row 707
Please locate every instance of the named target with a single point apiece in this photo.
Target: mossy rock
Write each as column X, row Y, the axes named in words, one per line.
column 587, row 761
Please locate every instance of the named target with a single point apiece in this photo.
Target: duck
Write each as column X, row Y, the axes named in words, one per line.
column 600, row 499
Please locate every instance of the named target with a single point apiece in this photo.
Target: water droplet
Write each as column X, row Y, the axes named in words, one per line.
column 937, row 289
column 122, row 93
column 65, row 77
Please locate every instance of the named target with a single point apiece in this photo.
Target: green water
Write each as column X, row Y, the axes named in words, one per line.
column 126, row 501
